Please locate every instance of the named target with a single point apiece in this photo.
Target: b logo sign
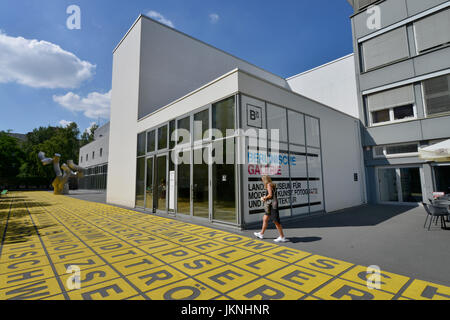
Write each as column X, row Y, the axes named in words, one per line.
column 254, row 116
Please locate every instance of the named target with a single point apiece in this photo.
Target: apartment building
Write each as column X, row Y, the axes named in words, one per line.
column 402, row 60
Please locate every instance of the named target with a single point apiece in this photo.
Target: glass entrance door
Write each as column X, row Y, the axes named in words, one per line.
column 200, row 183
column 160, row 184
column 149, row 189
column 400, row 185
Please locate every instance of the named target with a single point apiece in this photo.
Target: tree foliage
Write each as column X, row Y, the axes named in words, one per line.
column 11, row 155
column 51, row 140
column 88, row 135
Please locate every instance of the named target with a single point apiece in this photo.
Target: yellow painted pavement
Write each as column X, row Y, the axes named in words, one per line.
column 123, row 254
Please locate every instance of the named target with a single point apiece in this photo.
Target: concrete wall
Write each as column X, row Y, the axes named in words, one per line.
column 174, row 64
column 333, row 84
column 124, row 110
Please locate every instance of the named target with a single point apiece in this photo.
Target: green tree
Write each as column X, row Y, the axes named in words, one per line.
column 51, row 140
column 88, row 135
column 11, row 155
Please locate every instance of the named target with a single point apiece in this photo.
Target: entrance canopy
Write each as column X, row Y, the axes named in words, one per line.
column 439, row 152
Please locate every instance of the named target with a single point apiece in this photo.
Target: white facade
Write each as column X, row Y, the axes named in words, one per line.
column 333, row 84
column 333, row 136
column 96, row 152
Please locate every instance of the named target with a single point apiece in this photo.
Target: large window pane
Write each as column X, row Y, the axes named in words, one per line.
column 381, row 116
column 442, row 175
column 140, row 145
column 201, row 125
column 172, row 134
column 224, row 186
column 161, row 182
column 296, row 128
column 201, row 185
column 388, row 185
column 400, row 149
column 437, row 95
column 185, row 125
column 403, row 112
column 162, row 138
column 140, row 182
column 184, row 186
column 312, row 132
column 149, row 185
column 411, row 186
column 171, row 184
column 223, row 115
column 151, row 141
column 276, row 120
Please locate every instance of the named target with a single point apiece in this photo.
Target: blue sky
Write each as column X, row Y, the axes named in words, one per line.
column 65, row 75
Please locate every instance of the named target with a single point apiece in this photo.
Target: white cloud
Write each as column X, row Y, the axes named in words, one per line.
column 159, row 17
column 95, row 105
column 65, row 123
column 40, row 64
column 214, row 18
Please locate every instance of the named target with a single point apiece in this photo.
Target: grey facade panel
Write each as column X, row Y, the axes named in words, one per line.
column 433, row 61
column 392, row 11
column 436, row 128
column 395, row 133
column 417, row 6
column 390, row 74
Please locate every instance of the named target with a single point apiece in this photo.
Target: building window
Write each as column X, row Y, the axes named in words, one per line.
column 93, row 155
column 201, row 125
column 101, row 152
column 398, row 150
column 81, row 159
column 223, row 116
column 87, row 157
column 385, row 49
column 141, row 144
column 392, row 105
column 276, row 120
column 184, row 129
column 437, row 95
column 433, row 31
column 151, row 143
column 162, row 138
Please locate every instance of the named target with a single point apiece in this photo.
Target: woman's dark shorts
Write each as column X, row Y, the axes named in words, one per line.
column 274, row 214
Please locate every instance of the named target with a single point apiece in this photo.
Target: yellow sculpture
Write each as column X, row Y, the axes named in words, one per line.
column 60, row 184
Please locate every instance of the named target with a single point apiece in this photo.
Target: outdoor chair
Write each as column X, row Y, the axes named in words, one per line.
column 438, row 212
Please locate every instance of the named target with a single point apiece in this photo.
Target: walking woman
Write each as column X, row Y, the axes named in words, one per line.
column 271, row 209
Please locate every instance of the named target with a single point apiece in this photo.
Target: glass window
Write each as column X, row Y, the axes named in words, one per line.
column 140, row 182
column 185, row 125
column 442, row 176
column 312, row 132
column 184, row 185
column 172, row 134
column 437, row 95
column 223, row 115
column 93, row 155
column 379, row 151
column 224, row 186
column 141, row 144
column 101, row 152
column 388, row 185
column 404, row 112
column 201, row 124
column 161, row 182
column 381, row 116
column 87, row 157
column 81, row 159
column 276, row 120
column 151, row 143
column 200, row 185
column 411, row 185
column 162, row 138
column 399, row 149
column 149, row 185
column 296, row 128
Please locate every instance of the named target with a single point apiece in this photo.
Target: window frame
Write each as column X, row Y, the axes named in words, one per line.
column 397, row 155
column 424, row 100
column 392, row 117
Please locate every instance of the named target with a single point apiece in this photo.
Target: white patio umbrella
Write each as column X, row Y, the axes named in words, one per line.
column 439, row 152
